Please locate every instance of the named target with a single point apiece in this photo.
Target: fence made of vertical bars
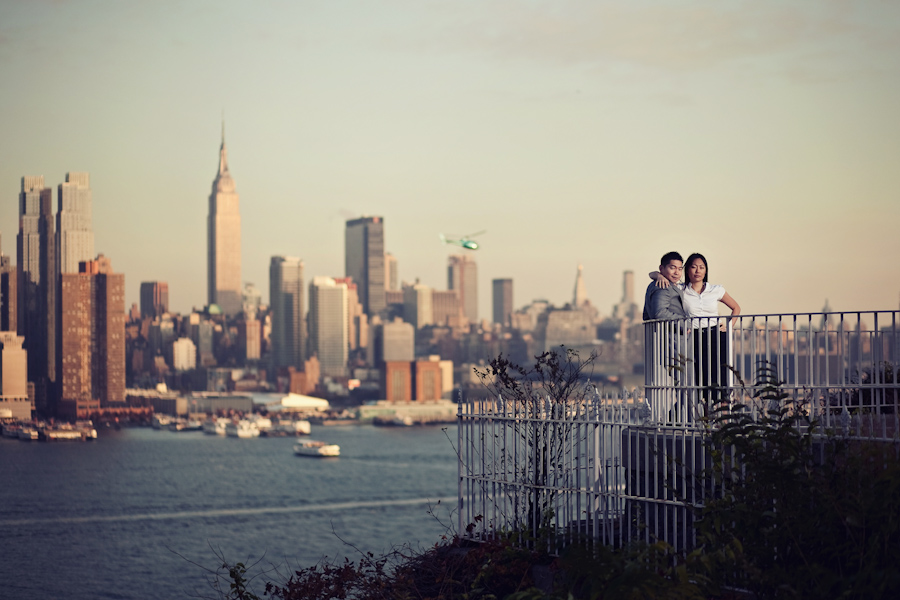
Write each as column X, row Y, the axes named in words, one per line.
column 631, row 466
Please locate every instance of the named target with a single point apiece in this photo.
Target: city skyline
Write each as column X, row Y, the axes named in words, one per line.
column 765, row 139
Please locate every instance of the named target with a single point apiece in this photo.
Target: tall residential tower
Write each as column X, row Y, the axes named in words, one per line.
column 91, row 339
column 224, row 240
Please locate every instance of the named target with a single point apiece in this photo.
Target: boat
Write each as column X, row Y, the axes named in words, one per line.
column 316, row 448
column 28, row 434
column 161, row 421
column 285, row 427
column 87, row 428
column 216, row 425
column 264, row 424
column 185, row 425
column 242, row 429
column 81, row 431
column 394, row 421
column 63, row 435
column 11, row 430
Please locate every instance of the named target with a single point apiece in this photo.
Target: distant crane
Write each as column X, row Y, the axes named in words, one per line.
column 464, row 241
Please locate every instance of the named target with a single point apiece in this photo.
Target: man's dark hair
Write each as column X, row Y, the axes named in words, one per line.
column 669, row 256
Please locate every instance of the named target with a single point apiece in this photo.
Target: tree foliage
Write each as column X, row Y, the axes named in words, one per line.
column 813, row 514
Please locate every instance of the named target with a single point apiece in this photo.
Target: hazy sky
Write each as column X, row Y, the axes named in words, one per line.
column 765, row 134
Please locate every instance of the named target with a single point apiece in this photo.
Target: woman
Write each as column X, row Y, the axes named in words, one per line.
column 701, row 302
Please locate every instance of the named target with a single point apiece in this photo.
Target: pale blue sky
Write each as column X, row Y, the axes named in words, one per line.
column 764, row 134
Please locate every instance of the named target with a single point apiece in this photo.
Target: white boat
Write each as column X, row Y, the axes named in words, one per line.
column 216, row 425
column 402, row 421
column 87, row 427
column 242, row 429
column 286, row 427
column 161, row 421
column 64, row 434
column 186, row 425
column 264, row 424
column 316, row 448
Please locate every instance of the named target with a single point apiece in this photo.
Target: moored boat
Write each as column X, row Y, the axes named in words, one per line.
column 215, row 425
column 11, row 430
column 186, row 425
column 242, row 429
column 63, row 435
column 28, row 434
column 287, row 427
column 316, row 448
column 161, row 421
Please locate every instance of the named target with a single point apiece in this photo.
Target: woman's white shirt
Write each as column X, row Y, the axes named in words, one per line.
column 703, row 304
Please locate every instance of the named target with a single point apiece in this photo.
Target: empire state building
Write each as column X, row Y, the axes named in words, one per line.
column 224, row 239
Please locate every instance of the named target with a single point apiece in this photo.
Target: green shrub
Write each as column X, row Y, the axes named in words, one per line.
column 811, row 514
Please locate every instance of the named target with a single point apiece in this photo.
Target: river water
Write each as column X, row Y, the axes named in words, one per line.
column 141, row 513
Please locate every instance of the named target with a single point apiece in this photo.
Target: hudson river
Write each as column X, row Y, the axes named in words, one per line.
column 127, row 515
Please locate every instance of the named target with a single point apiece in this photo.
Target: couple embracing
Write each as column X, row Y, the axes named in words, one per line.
column 697, row 300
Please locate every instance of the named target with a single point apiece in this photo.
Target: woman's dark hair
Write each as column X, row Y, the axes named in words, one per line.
column 690, row 261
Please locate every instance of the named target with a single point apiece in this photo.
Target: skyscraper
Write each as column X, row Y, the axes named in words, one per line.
column 91, row 338
column 357, row 321
column 364, row 261
column 446, row 310
column 627, row 310
column 503, row 301
column 462, row 276
column 9, row 298
column 154, row 298
column 35, row 260
column 391, row 275
column 288, row 334
column 417, row 305
column 74, row 233
column 328, row 334
column 37, row 281
column 224, row 240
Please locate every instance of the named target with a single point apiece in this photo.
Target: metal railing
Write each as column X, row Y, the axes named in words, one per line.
column 631, row 467
column 840, row 367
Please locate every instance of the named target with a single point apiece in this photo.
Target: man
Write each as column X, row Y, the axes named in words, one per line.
column 665, row 303
column 663, row 344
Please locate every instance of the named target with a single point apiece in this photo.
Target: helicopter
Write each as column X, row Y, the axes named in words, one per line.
column 464, row 241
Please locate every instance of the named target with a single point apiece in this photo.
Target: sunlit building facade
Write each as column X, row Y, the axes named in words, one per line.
column 328, row 333
column 224, row 240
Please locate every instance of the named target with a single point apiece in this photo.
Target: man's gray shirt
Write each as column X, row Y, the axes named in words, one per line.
column 662, row 303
